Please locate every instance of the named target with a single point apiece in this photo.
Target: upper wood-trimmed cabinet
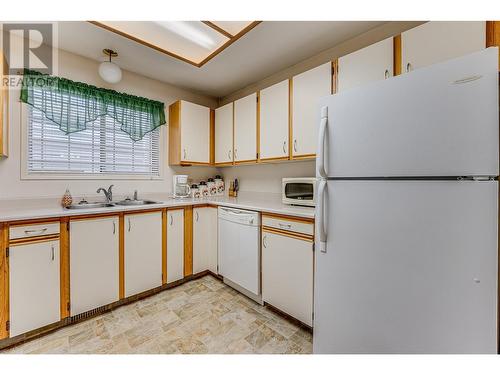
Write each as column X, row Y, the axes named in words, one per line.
column 366, row 65
column 437, row 41
column 224, row 135
column 274, row 121
column 245, row 129
column 4, row 108
column 189, row 132
column 307, row 90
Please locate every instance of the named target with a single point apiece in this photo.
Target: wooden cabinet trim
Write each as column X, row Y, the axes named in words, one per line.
column 121, row 256
column 397, row 55
column 64, row 268
column 290, row 119
column 258, row 126
column 290, row 234
column 493, row 36
column 305, row 220
column 335, row 76
column 212, row 138
column 30, row 240
column 188, row 241
column 4, row 281
column 174, row 133
column 164, row 246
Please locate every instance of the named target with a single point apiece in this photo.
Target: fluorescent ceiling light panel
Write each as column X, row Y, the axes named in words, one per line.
column 195, row 42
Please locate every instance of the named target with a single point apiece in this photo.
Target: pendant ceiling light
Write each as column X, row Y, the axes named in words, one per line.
column 108, row 70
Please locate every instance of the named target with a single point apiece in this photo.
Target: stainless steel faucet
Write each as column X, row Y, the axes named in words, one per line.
column 108, row 193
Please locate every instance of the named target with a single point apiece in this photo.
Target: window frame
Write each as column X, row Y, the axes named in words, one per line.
column 27, row 175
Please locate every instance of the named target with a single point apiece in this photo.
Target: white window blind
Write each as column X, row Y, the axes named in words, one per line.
column 101, row 149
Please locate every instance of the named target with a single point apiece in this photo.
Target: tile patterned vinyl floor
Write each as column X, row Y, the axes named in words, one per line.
column 200, row 316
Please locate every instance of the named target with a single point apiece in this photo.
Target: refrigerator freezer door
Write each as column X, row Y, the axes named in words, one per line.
column 410, row 267
column 436, row 121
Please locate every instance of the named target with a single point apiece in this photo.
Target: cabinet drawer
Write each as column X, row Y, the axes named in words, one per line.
column 288, row 225
column 33, row 230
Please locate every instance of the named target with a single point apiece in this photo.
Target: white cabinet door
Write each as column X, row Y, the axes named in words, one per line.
column 307, row 89
column 372, row 63
column 143, row 252
column 245, row 128
column 287, row 275
column 224, row 134
column 175, row 245
column 34, row 286
column 439, row 41
column 94, row 263
column 195, row 133
column 204, row 239
column 274, row 121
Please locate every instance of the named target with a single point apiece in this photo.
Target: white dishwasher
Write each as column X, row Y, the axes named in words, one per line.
column 239, row 250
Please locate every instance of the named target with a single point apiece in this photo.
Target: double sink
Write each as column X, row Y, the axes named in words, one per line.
column 84, row 204
column 126, row 202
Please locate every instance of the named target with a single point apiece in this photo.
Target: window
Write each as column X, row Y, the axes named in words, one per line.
column 102, row 149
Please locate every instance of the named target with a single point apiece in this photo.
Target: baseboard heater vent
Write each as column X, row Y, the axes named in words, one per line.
column 89, row 314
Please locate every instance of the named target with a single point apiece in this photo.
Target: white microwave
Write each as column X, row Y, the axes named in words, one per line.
column 300, row 191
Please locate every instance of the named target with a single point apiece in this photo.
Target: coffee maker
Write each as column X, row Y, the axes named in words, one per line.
column 181, row 187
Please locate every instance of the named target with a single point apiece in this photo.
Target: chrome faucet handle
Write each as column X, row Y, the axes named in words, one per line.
column 110, row 193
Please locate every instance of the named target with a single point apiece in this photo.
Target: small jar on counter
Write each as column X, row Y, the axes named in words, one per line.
column 219, row 183
column 203, row 189
column 212, row 188
column 195, row 191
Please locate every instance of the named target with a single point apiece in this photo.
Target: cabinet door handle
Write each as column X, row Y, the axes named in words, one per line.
column 285, row 226
column 284, row 147
column 129, row 225
column 114, row 227
column 295, row 145
column 35, row 231
column 236, row 153
column 185, row 154
column 408, row 67
column 386, row 73
column 52, row 253
column 171, row 219
column 197, row 216
column 229, row 154
column 264, row 243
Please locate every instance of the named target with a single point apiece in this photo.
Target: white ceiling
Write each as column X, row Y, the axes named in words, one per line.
column 268, row 48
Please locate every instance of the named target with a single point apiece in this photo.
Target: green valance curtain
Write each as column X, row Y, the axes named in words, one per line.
column 72, row 105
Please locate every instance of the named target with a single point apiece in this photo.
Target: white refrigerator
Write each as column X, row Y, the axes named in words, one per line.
column 407, row 213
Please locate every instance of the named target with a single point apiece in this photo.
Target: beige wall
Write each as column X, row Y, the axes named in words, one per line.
column 267, row 177
column 363, row 40
column 85, row 70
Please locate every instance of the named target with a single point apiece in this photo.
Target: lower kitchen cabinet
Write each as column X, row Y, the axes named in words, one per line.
column 287, row 274
column 34, row 285
column 204, row 239
column 94, row 263
column 143, row 252
column 175, row 245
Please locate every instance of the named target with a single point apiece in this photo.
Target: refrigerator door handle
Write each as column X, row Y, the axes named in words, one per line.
column 321, row 215
column 321, row 169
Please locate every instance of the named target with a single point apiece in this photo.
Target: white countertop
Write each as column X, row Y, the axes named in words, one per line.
column 27, row 209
